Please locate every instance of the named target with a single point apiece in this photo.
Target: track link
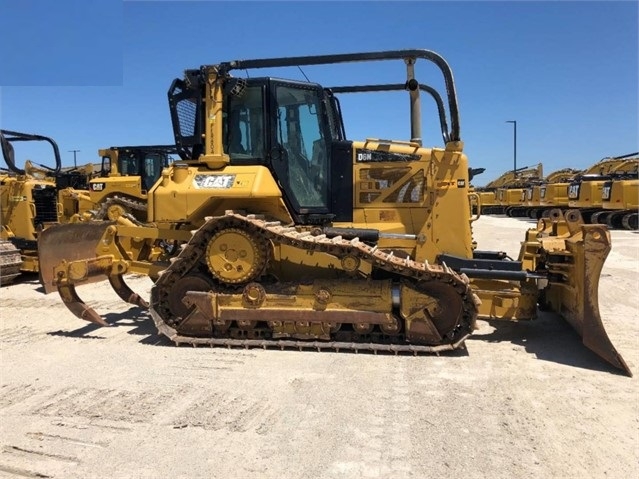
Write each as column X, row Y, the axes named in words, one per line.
column 128, row 204
column 10, row 262
column 401, row 268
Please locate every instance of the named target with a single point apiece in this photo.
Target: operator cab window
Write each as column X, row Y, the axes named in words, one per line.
column 153, row 164
column 106, row 166
column 243, row 126
column 128, row 164
column 301, row 161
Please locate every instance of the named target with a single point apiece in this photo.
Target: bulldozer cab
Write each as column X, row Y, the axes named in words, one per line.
column 146, row 162
column 285, row 125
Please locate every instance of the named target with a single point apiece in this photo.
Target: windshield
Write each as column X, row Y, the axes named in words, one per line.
column 303, row 162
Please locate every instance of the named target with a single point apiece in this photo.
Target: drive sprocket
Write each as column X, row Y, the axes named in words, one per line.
column 234, row 256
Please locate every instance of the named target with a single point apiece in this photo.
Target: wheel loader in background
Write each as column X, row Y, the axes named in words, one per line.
column 291, row 235
column 586, row 189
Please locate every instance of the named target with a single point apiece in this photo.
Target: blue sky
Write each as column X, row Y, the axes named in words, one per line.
column 94, row 74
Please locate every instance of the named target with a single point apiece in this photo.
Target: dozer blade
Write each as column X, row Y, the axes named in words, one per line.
column 574, row 264
column 70, row 242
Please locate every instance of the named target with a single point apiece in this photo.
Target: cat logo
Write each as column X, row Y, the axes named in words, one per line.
column 97, row 186
column 542, row 192
column 605, row 193
column 213, row 181
column 461, row 183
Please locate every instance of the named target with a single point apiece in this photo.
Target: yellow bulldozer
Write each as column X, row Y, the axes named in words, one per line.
column 120, row 188
column 287, row 234
column 29, row 201
column 39, row 196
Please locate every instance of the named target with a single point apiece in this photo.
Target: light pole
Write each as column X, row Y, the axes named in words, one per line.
column 514, row 122
column 75, row 165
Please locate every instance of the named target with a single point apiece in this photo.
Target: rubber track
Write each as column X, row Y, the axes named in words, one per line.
column 193, row 251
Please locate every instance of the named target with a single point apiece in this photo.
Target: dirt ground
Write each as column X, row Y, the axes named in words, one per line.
column 524, row 400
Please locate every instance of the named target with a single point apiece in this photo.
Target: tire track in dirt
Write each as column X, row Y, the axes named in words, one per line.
column 20, row 451
column 89, row 425
column 211, row 411
column 43, row 302
column 234, row 413
column 41, row 436
column 397, row 428
column 18, row 471
column 203, row 362
column 20, row 336
column 13, row 458
column 106, row 404
column 379, row 444
column 18, row 394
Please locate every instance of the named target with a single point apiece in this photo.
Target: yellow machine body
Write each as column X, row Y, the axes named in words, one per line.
column 620, row 198
column 121, row 188
column 495, row 197
column 586, row 190
column 28, row 200
column 294, row 236
column 27, row 205
column 621, row 195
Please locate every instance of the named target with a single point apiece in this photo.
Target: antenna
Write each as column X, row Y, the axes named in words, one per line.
column 300, row 68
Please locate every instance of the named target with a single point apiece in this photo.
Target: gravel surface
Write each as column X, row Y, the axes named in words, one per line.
column 523, row 400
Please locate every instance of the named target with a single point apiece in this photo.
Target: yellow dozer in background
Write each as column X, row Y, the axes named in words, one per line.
column 36, row 197
column 120, row 188
column 277, row 230
column 29, row 201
